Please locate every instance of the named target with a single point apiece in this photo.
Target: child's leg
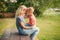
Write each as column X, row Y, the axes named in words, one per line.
column 27, row 25
column 33, row 32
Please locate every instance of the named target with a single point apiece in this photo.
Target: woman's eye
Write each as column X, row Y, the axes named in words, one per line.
column 24, row 9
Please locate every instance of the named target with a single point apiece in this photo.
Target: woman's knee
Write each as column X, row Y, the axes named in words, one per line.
column 37, row 30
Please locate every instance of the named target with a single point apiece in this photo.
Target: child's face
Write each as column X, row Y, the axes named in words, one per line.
column 29, row 12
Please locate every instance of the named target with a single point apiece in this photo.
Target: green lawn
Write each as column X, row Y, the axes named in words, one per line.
column 49, row 26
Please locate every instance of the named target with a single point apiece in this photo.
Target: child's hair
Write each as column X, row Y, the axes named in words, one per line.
column 31, row 8
column 19, row 10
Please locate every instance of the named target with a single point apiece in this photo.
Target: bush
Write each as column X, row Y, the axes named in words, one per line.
column 1, row 16
column 39, row 5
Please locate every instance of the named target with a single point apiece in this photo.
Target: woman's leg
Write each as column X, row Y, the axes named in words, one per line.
column 33, row 32
column 33, row 35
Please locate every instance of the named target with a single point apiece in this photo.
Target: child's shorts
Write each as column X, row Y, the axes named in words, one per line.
column 29, row 25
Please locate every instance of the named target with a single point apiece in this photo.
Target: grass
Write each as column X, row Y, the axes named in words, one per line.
column 49, row 26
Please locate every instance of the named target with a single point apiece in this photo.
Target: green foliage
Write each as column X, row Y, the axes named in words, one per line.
column 11, row 7
column 39, row 5
column 35, row 4
column 3, row 7
column 1, row 16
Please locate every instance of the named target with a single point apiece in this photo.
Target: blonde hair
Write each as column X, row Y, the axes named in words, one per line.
column 19, row 10
column 31, row 8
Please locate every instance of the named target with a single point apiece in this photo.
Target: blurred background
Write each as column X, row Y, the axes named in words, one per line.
column 47, row 13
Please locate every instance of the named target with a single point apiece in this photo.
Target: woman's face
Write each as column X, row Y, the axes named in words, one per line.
column 24, row 11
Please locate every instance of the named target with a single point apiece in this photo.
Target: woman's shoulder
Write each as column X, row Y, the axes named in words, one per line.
column 19, row 17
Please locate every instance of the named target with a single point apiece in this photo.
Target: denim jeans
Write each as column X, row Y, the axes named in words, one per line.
column 32, row 32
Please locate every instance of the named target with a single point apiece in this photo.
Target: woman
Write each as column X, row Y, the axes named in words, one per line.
column 22, row 29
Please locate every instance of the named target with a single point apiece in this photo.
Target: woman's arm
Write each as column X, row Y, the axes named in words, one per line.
column 23, row 26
